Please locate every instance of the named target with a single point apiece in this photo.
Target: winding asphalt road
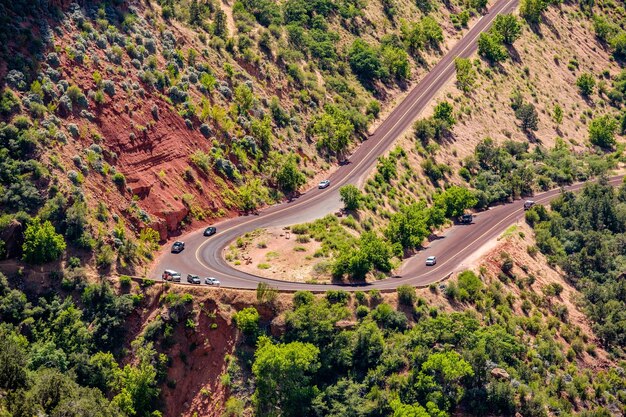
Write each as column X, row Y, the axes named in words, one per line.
column 204, row 256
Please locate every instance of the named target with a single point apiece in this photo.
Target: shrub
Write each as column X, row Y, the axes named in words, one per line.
column 41, row 242
column 338, row 296
column 465, row 74
column 9, row 103
column 362, row 312
column 406, row 295
column 119, row 179
column 301, row 298
column 105, row 257
column 365, row 61
column 247, row 320
column 351, row 197
column 109, row 87
column 490, row 46
column 508, row 27
column 388, row 318
column 586, row 84
column 470, row 286
column 602, row 131
column 528, row 116
column 125, row 281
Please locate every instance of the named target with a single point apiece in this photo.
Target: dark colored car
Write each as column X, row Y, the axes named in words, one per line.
column 466, row 218
column 193, row 279
column 178, row 247
column 528, row 204
column 210, row 231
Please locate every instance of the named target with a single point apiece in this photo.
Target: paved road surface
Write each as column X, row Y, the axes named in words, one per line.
column 204, row 256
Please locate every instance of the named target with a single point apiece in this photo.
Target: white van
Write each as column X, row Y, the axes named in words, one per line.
column 171, row 275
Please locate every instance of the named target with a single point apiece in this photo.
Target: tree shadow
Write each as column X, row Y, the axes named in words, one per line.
column 531, row 137
column 550, row 25
column 513, row 54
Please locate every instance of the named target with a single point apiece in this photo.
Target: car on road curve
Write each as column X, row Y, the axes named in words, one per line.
column 431, row 260
column 323, row 184
column 171, row 275
column 193, row 279
column 211, row 281
column 528, row 204
column 210, row 231
column 178, row 247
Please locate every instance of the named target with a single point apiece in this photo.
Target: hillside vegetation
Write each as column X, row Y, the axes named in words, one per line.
column 125, row 122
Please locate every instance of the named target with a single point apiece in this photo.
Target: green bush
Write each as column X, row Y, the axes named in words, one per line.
column 119, row 179
column 125, row 281
column 586, row 83
column 602, row 131
column 350, row 196
column 338, row 297
column 247, row 320
column 406, row 295
column 42, row 243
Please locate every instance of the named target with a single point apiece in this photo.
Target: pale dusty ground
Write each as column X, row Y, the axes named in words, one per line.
column 279, row 249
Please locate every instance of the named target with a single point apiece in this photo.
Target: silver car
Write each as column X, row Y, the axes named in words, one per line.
column 324, row 184
column 431, row 260
column 211, row 281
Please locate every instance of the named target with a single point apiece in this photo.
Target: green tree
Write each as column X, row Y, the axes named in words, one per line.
column 351, row 197
column 602, row 131
column 586, row 83
column 364, row 61
column 412, row 36
column 138, row 385
column 447, row 369
column 42, row 243
column 618, row 43
column 528, row 116
column 396, row 62
column 490, row 46
column 220, row 26
column 445, row 113
column 508, row 27
column 469, row 285
column 13, row 351
column 455, row 200
column 244, row 97
column 333, row 130
column 408, row 227
column 406, row 295
column 407, row 410
column 289, row 177
column 557, row 114
column 465, row 74
column 9, row 103
column 368, row 347
column 247, row 321
column 283, row 377
column 252, row 194
column 531, row 10
column 432, row 32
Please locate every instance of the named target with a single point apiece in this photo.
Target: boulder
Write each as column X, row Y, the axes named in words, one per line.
column 500, row 373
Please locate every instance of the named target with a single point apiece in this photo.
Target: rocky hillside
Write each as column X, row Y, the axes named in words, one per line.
column 149, row 116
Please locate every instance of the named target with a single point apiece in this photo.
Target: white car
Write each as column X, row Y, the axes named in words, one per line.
column 211, row 281
column 323, row 184
column 431, row 260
